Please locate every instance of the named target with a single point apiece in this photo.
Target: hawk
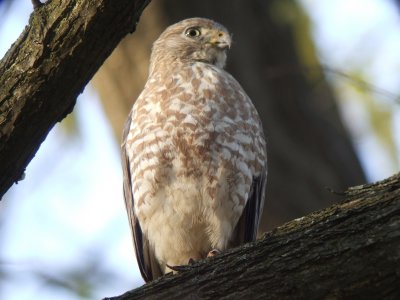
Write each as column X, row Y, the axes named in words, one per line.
column 193, row 153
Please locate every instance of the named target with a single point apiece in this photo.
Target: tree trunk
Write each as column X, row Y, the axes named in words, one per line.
column 273, row 58
column 48, row 66
column 348, row 251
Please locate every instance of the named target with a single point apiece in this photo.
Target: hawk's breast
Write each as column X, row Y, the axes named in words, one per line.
column 196, row 143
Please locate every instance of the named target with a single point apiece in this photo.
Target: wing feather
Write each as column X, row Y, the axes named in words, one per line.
column 247, row 226
column 148, row 265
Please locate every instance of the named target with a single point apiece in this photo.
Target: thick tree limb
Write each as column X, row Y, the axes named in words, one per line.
column 348, row 251
column 48, row 66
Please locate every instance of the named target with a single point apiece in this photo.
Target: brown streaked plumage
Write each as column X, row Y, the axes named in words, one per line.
column 193, row 153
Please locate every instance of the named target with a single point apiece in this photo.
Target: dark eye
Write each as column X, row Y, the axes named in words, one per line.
column 192, row 32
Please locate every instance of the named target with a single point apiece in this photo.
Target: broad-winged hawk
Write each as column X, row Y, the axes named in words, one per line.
column 193, row 153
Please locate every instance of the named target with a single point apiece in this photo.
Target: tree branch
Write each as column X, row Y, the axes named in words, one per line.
column 350, row 251
column 48, row 67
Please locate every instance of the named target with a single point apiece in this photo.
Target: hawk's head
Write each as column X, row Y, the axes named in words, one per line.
column 195, row 39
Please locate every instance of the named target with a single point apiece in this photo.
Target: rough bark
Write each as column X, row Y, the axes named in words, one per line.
column 273, row 58
column 48, row 67
column 348, row 251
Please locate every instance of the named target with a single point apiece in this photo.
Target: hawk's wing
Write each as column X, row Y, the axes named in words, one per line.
column 149, row 267
column 246, row 228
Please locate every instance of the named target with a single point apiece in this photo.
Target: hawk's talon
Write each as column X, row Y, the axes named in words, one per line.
column 213, row 252
column 182, row 268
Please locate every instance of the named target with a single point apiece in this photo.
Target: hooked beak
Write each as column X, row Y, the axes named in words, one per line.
column 221, row 40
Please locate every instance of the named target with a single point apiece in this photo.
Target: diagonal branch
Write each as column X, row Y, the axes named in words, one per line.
column 48, row 67
column 347, row 251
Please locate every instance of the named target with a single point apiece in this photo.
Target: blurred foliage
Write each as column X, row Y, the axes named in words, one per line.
column 82, row 279
column 379, row 104
column 380, row 114
column 292, row 14
column 70, row 125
